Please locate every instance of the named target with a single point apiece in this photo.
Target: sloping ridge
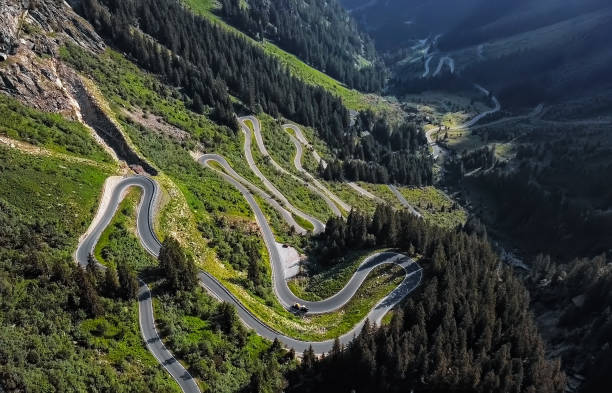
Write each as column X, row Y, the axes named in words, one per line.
column 95, row 117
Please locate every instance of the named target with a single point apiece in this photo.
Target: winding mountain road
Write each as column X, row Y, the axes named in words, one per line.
column 150, row 242
column 262, row 148
column 316, row 223
column 299, row 142
column 114, row 192
column 279, row 283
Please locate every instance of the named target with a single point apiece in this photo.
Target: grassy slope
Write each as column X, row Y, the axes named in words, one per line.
column 296, row 192
column 117, row 336
column 383, row 192
column 352, row 197
column 379, row 283
column 62, row 196
column 351, row 98
column 48, row 130
column 324, row 282
column 435, row 206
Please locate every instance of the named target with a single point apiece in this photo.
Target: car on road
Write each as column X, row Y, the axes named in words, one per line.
column 299, row 307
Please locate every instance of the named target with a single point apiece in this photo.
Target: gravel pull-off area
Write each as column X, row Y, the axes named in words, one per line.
column 290, row 259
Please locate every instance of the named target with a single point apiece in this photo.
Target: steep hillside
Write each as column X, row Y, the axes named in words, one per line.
column 212, row 64
column 318, row 32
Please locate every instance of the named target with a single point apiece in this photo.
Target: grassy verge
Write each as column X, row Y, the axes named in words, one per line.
column 350, row 196
column 321, row 283
column 387, row 318
column 435, row 206
column 49, row 130
column 383, row 192
column 303, row 222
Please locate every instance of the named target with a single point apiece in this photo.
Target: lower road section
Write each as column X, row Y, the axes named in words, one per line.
column 156, row 346
column 115, row 191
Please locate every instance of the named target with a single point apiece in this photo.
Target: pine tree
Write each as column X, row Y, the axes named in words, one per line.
column 308, row 358
column 89, row 297
column 178, row 267
column 128, row 281
column 111, row 282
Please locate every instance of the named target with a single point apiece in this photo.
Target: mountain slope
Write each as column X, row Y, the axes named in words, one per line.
column 318, row 32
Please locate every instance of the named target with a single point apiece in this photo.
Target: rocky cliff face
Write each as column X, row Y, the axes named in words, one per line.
column 31, row 34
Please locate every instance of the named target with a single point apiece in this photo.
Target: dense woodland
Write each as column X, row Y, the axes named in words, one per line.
column 579, row 295
column 378, row 152
column 209, row 63
column 319, row 32
column 65, row 328
column 554, row 191
column 240, row 245
column 467, row 328
column 225, row 360
column 457, row 166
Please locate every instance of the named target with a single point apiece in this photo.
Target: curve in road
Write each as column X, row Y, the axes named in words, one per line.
column 113, row 195
column 448, row 60
column 304, row 141
column 299, row 143
column 262, row 148
column 316, row 223
column 484, row 114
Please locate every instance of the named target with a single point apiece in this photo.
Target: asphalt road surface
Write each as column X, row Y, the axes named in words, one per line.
column 317, row 224
column 262, row 148
column 297, row 162
column 149, row 241
column 403, row 200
